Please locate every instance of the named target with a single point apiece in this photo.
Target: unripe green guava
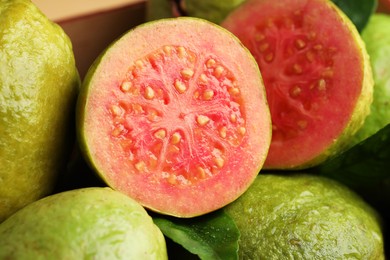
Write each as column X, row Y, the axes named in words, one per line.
column 38, row 87
column 89, row 223
column 305, row 217
column 377, row 39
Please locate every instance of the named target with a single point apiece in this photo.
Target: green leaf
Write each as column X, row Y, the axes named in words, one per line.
column 365, row 168
column 212, row 236
column 359, row 11
column 365, row 164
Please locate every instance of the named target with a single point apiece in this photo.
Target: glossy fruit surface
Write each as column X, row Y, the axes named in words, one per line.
column 174, row 118
column 38, row 87
column 302, row 216
column 377, row 39
column 92, row 223
column 316, row 72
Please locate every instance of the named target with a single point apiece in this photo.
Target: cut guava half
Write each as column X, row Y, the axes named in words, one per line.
column 316, row 72
column 174, row 114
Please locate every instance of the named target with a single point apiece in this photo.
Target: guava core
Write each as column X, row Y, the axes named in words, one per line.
column 316, row 72
column 174, row 114
column 38, row 87
column 88, row 223
column 300, row 216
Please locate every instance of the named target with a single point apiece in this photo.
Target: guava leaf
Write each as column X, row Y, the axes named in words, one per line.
column 359, row 11
column 212, row 236
column 365, row 168
column 366, row 163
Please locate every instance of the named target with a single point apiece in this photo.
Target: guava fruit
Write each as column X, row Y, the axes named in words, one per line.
column 300, row 216
column 316, row 72
column 38, row 89
column 89, row 223
column 377, row 39
column 211, row 10
column 174, row 114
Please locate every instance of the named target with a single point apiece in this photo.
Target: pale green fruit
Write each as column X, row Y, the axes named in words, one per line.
column 38, row 88
column 88, row 223
column 305, row 217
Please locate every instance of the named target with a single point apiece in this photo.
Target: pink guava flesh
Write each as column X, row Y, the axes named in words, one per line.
column 312, row 69
column 175, row 116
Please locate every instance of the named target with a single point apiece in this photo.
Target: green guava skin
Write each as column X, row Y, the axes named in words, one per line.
column 158, row 9
column 88, row 223
column 302, row 216
column 215, row 10
column 39, row 82
column 377, row 39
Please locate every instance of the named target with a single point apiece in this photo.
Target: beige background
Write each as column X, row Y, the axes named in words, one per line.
column 65, row 9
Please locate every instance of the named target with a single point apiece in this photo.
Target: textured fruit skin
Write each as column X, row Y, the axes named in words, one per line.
column 92, row 223
column 305, row 217
column 151, row 189
column 38, row 87
column 377, row 39
column 299, row 154
column 214, row 11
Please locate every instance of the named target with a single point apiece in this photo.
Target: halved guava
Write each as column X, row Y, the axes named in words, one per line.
column 316, row 72
column 174, row 114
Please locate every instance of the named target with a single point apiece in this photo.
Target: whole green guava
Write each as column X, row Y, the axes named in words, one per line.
column 38, row 88
column 377, row 39
column 300, row 216
column 89, row 223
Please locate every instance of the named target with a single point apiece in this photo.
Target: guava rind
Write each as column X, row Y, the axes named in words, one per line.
column 343, row 140
column 377, row 39
column 302, row 216
column 111, row 67
column 95, row 223
column 38, row 87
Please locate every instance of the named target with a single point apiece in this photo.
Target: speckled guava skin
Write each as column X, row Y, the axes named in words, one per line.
column 377, row 39
column 305, row 217
column 214, row 11
column 38, row 88
column 88, row 223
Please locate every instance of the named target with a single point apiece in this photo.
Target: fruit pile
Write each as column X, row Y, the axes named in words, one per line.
column 254, row 129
